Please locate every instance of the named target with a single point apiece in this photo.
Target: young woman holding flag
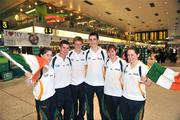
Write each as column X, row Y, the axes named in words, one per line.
column 134, row 82
column 44, row 91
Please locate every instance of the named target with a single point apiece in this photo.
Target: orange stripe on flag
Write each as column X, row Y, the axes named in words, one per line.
column 175, row 86
column 177, row 78
column 41, row 62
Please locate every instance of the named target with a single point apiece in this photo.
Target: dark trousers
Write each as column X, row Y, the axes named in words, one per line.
column 113, row 106
column 132, row 110
column 46, row 110
column 64, row 101
column 78, row 94
column 89, row 95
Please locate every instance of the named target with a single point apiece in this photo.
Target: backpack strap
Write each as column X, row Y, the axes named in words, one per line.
column 121, row 65
column 70, row 53
column 140, row 71
column 53, row 61
column 69, row 61
column 87, row 55
column 102, row 53
column 107, row 61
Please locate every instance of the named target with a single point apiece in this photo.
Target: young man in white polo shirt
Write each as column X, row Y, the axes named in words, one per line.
column 95, row 58
column 113, row 87
column 62, row 69
column 77, row 57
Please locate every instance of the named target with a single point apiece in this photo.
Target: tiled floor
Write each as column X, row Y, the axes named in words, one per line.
column 17, row 102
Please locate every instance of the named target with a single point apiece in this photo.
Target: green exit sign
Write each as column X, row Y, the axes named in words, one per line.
column 48, row 30
column 4, row 24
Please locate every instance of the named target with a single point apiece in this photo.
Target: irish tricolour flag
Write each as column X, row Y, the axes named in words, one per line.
column 164, row 77
column 27, row 62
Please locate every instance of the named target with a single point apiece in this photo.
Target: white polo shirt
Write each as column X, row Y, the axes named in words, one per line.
column 44, row 88
column 131, row 80
column 95, row 64
column 62, row 70
column 113, row 82
column 78, row 67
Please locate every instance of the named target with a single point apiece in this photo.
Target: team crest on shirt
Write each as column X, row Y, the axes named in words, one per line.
column 57, row 65
column 82, row 59
column 72, row 59
column 99, row 58
column 117, row 69
column 136, row 74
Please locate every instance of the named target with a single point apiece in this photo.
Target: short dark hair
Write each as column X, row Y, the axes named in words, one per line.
column 64, row 42
column 94, row 34
column 44, row 50
column 77, row 38
column 111, row 46
column 136, row 50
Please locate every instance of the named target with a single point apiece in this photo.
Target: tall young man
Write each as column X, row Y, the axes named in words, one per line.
column 95, row 60
column 62, row 68
column 77, row 57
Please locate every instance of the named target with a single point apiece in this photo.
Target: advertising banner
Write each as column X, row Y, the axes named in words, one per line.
column 14, row 38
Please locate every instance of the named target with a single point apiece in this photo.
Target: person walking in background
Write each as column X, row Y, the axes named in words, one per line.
column 77, row 57
column 134, row 82
column 95, row 58
column 44, row 91
column 113, row 83
column 61, row 64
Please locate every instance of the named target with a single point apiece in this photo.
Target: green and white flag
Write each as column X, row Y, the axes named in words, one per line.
column 164, row 77
column 27, row 62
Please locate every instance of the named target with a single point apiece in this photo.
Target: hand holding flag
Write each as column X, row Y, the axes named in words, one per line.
column 164, row 77
column 27, row 63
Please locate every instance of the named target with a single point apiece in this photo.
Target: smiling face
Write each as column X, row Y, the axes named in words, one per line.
column 132, row 56
column 64, row 49
column 112, row 53
column 78, row 45
column 93, row 41
column 47, row 56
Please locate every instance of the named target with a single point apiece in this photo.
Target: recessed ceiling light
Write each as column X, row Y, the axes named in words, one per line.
column 50, row 7
column 71, row 14
column 152, row 4
column 35, row 3
column 156, row 14
column 120, row 19
column 29, row 6
column 128, row 9
column 21, row 9
column 88, row 2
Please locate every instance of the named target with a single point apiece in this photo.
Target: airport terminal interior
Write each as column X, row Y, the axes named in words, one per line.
column 26, row 26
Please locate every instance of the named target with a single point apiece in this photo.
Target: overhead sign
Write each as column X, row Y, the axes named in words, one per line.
column 48, row 30
column 4, row 24
column 14, row 38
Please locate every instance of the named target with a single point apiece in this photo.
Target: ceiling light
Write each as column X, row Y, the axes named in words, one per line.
column 87, row 2
column 61, row 11
column 16, row 17
column 30, row 11
column 71, row 14
column 21, row 9
column 156, row 14
column 128, row 9
column 108, row 13
column 50, row 7
column 70, row 6
column 152, row 4
column 29, row 6
column 35, row 3
column 61, row 2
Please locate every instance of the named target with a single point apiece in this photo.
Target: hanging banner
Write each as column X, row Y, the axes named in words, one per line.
column 14, row 38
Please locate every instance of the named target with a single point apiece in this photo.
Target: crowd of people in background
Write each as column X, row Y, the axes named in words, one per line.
column 74, row 76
